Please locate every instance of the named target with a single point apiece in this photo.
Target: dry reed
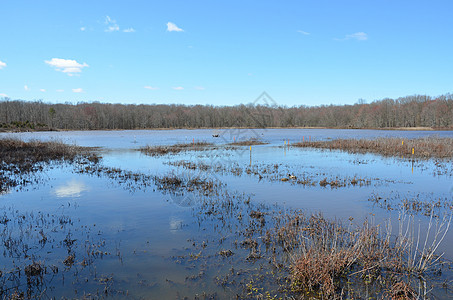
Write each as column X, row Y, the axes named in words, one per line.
column 423, row 148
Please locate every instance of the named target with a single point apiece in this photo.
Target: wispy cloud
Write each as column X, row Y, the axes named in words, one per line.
column 42, row 90
column 111, row 25
column 150, row 87
column 26, row 88
column 303, row 32
column 79, row 90
column 68, row 66
column 128, row 30
column 200, row 88
column 3, row 95
column 2, row 64
column 178, row 88
column 172, row 27
column 359, row 36
column 83, row 28
column 60, row 91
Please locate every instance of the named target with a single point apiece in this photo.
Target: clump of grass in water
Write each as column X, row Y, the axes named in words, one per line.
column 249, row 142
column 424, row 148
column 18, row 158
column 326, row 255
column 162, row 150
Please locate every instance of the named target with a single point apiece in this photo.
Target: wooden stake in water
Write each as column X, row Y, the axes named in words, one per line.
column 250, row 155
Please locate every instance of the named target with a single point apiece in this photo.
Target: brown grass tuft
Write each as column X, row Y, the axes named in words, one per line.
column 162, row 150
column 424, row 148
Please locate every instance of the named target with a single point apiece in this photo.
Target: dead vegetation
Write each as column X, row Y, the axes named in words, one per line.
column 176, row 148
column 19, row 158
column 25, row 154
column 326, row 255
column 249, row 142
column 423, row 148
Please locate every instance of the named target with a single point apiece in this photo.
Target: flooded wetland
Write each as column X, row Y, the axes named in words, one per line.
column 232, row 213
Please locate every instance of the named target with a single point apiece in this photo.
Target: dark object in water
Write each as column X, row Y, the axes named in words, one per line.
column 215, row 135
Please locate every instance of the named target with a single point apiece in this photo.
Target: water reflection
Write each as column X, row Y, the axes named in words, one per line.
column 210, row 234
column 71, row 189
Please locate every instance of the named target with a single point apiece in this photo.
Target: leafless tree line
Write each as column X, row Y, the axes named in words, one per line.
column 410, row 111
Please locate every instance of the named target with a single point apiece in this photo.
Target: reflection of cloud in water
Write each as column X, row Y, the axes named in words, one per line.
column 175, row 224
column 71, row 189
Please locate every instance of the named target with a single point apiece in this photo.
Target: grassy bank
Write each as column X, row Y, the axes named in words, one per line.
column 422, row 148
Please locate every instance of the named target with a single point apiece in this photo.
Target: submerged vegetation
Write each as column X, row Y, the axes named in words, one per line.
column 422, row 148
column 242, row 246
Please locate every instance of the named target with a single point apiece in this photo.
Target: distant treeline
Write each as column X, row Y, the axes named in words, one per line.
column 410, row 111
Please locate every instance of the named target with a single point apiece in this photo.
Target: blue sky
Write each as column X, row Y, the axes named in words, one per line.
column 224, row 52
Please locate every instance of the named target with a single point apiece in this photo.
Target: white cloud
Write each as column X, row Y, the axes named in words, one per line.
column 3, row 95
column 26, row 88
column 79, row 90
column 2, row 64
column 303, row 32
column 68, row 66
column 359, row 36
column 112, row 28
column 200, row 88
column 178, row 88
column 129, row 30
column 150, row 87
column 172, row 27
column 111, row 25
column 42, row 90
column 60, row 91
column 72, row 188
column 83, row 28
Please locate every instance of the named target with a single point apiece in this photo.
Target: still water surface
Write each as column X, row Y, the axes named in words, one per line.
column 139, row 242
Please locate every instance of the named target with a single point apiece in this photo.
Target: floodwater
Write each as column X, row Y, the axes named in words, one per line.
column 129, row 238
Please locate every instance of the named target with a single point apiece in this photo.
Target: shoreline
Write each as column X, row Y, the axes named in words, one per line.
column 226, row 128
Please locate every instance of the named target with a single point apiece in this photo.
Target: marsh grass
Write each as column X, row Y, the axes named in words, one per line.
column 326, row 255
column 249, row 142
column 25, row 154
column 176, row 148
column 424, row 148
column 19, row 159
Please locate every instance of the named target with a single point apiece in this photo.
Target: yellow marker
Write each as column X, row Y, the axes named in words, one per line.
column 250, row 148
column 402, row 142
column 412, row 151
column 285, row 142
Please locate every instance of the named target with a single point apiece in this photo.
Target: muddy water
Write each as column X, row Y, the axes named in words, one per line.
column 130, row 239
